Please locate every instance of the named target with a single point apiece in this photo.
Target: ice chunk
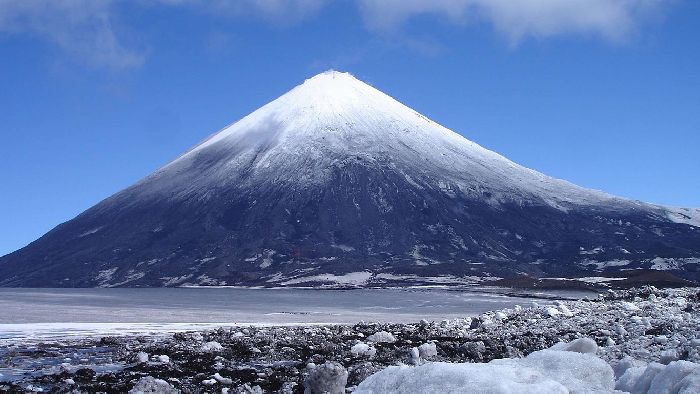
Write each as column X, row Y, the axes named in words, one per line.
column 163, row 359
column 668, row 378
column 212, row 346
column 628, row 381
column 458, row 378
column 382, row 337
column 565, row 310
column 581, row 345
column 690, row 384
column 577, row 371
column 427, row 350
column 681, row 302
column 546, row 371
column 330, row 378
column 628, row 306
column 644, row 381
column 621, row 366
column 552, row 311
column 363, row 349
column 149, row 384
column 197, row 336
column 142, row 357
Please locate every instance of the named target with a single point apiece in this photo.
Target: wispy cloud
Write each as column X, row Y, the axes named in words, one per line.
column 86, row 30
column 614, row 20
column 83, row 29
column 285, row 12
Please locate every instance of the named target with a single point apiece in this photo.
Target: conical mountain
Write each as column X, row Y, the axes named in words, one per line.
column 336, row 181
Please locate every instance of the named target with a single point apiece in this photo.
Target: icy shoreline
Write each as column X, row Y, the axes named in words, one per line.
column 647, row 324
column 129, row 308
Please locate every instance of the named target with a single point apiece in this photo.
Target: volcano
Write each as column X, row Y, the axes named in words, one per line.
column 336, row 182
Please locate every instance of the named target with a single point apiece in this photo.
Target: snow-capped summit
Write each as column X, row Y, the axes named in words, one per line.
column 333, row 115
column 335, row 181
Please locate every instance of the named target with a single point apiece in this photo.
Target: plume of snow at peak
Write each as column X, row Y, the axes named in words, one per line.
column 614, row 20
column 84, row 29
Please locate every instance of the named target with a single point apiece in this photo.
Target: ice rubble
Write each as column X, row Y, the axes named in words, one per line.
column 563, row 368
column 639, row 341
column 550, row 371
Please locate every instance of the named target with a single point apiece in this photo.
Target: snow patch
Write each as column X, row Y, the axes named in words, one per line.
column 89, row 232
column 690, row 216
column 352, row 278
column 172, row 281
column 665, row 264
column 344, row 248
column 599, row 265
column 131, row 275
column 105, row 276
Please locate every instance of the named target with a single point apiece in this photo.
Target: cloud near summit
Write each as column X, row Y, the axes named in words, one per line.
column 613, row 20
column 87, row 30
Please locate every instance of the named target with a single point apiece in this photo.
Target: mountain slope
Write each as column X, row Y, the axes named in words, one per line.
column 337, row 181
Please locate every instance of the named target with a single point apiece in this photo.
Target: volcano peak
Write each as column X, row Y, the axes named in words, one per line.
column 335, row 178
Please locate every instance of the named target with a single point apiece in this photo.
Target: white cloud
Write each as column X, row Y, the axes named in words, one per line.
column 83, row 29
column 86, row 30
column 614, row 20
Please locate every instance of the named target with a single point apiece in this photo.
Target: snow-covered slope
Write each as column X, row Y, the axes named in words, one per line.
column 336, row 179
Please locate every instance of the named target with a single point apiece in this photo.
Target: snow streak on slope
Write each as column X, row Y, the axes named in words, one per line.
column 689, row 216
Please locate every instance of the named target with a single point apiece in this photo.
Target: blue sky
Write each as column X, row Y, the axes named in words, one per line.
column 95, row 94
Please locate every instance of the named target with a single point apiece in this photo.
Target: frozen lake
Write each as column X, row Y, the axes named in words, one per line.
column 52, row 312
